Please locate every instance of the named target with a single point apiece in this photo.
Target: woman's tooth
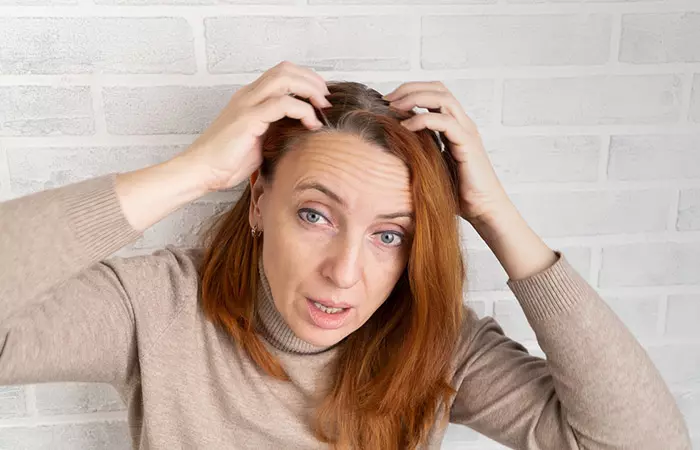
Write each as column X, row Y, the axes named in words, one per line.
column 326, row 309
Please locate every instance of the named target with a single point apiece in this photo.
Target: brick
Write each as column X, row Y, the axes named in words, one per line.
column 76, row 398
column 682, row 316
column 401, row 2
column 526, row 159
column 639, row 314
column 592, row 100
column 595, row 212
column 679, row 364
column 164, row 109
column 688, row 401
column 12, row 402
column 654, row 157
column 478, row 307
column 652, row 264
column 459, row 434
column 37, row 169
column 694, row 113
column 510, row 315
column 45, row 110
column 485, row 272
column 459, row 41
column 85, row 45
column 476, row 96
column 660, row 38
column 689, row 210
column 196, row 2
column 256, row 43
column 181, row 227
column 37, row 2
column 108, row 435
column 574, row 1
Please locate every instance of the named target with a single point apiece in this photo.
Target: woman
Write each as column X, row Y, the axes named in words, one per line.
column 325, row 308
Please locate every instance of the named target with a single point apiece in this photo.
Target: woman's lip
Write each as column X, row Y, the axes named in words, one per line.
column 325, row 320
column 329, row 303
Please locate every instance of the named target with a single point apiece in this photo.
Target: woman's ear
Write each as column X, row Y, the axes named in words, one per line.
column 256, row 191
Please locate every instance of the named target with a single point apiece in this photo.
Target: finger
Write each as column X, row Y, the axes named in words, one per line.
column 448, row 125
column 304, row 72
column 289, row 67
column 436, row 102
column 289, row 83
column 413, row 86
column 275, row 108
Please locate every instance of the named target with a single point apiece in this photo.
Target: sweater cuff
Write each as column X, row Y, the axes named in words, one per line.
column 551, row 292
column 96, row 217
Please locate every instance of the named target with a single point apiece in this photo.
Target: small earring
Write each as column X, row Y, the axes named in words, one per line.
column 255, row 232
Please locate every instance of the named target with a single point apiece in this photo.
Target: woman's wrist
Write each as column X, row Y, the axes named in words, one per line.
column 521, row 252
column 150, row 194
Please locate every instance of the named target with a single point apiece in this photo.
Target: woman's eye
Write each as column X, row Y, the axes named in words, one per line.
column 311, row 216
column 390, row 238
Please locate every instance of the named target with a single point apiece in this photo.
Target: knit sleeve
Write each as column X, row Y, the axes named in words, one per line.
column 69, row 311
column 49, row 236
column 596, row 389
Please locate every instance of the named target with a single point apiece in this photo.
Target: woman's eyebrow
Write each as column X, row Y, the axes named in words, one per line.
column 336, row 198
column 323, row 189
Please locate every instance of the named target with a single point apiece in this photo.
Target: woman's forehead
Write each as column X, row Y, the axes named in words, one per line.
column 353, row 169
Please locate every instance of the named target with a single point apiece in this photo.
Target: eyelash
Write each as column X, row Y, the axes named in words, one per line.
column 301, row 212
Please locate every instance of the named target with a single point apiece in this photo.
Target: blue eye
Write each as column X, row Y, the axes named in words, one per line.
column 391, row 238
column 310, row 215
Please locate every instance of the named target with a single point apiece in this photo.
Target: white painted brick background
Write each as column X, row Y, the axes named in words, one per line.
column 589, row 109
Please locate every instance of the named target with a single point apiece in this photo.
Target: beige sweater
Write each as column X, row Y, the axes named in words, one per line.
column 70, row 312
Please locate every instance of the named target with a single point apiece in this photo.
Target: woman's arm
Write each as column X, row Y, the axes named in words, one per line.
column 50, row 236
column 597, row 387
column 68, row 314
column 521, row 252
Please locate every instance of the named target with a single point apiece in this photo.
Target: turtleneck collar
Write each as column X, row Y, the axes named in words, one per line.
column 273, row 326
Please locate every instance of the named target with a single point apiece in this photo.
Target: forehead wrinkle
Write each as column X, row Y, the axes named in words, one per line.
column 390, row 179
column 393, row 169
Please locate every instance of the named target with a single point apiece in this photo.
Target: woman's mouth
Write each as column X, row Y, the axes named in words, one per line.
column 326, row 317
column 328, row 309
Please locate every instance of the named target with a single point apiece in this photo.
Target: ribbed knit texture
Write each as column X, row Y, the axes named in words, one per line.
column 97, row 219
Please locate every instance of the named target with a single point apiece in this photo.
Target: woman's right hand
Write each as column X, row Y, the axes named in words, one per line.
column 230, row 149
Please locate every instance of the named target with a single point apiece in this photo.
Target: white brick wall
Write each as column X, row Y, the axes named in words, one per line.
column 590, row 110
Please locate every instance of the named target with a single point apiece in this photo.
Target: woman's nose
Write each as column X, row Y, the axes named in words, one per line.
column 344, row 264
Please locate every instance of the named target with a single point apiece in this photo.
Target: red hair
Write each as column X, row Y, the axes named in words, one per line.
column 393, row 373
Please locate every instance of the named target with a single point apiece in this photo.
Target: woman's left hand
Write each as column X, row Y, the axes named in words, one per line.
column 482, row 195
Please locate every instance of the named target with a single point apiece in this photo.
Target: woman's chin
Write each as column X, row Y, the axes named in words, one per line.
column 325, row 338
column 322, row 330
column 319, row 337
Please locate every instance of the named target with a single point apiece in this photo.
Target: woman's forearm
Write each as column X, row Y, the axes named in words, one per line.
column 519, row 249
column 148, row 195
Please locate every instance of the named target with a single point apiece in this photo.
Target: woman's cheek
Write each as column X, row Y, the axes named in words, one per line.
column 308, row 241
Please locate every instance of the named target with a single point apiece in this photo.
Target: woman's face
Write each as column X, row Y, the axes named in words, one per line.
column 337, row 222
